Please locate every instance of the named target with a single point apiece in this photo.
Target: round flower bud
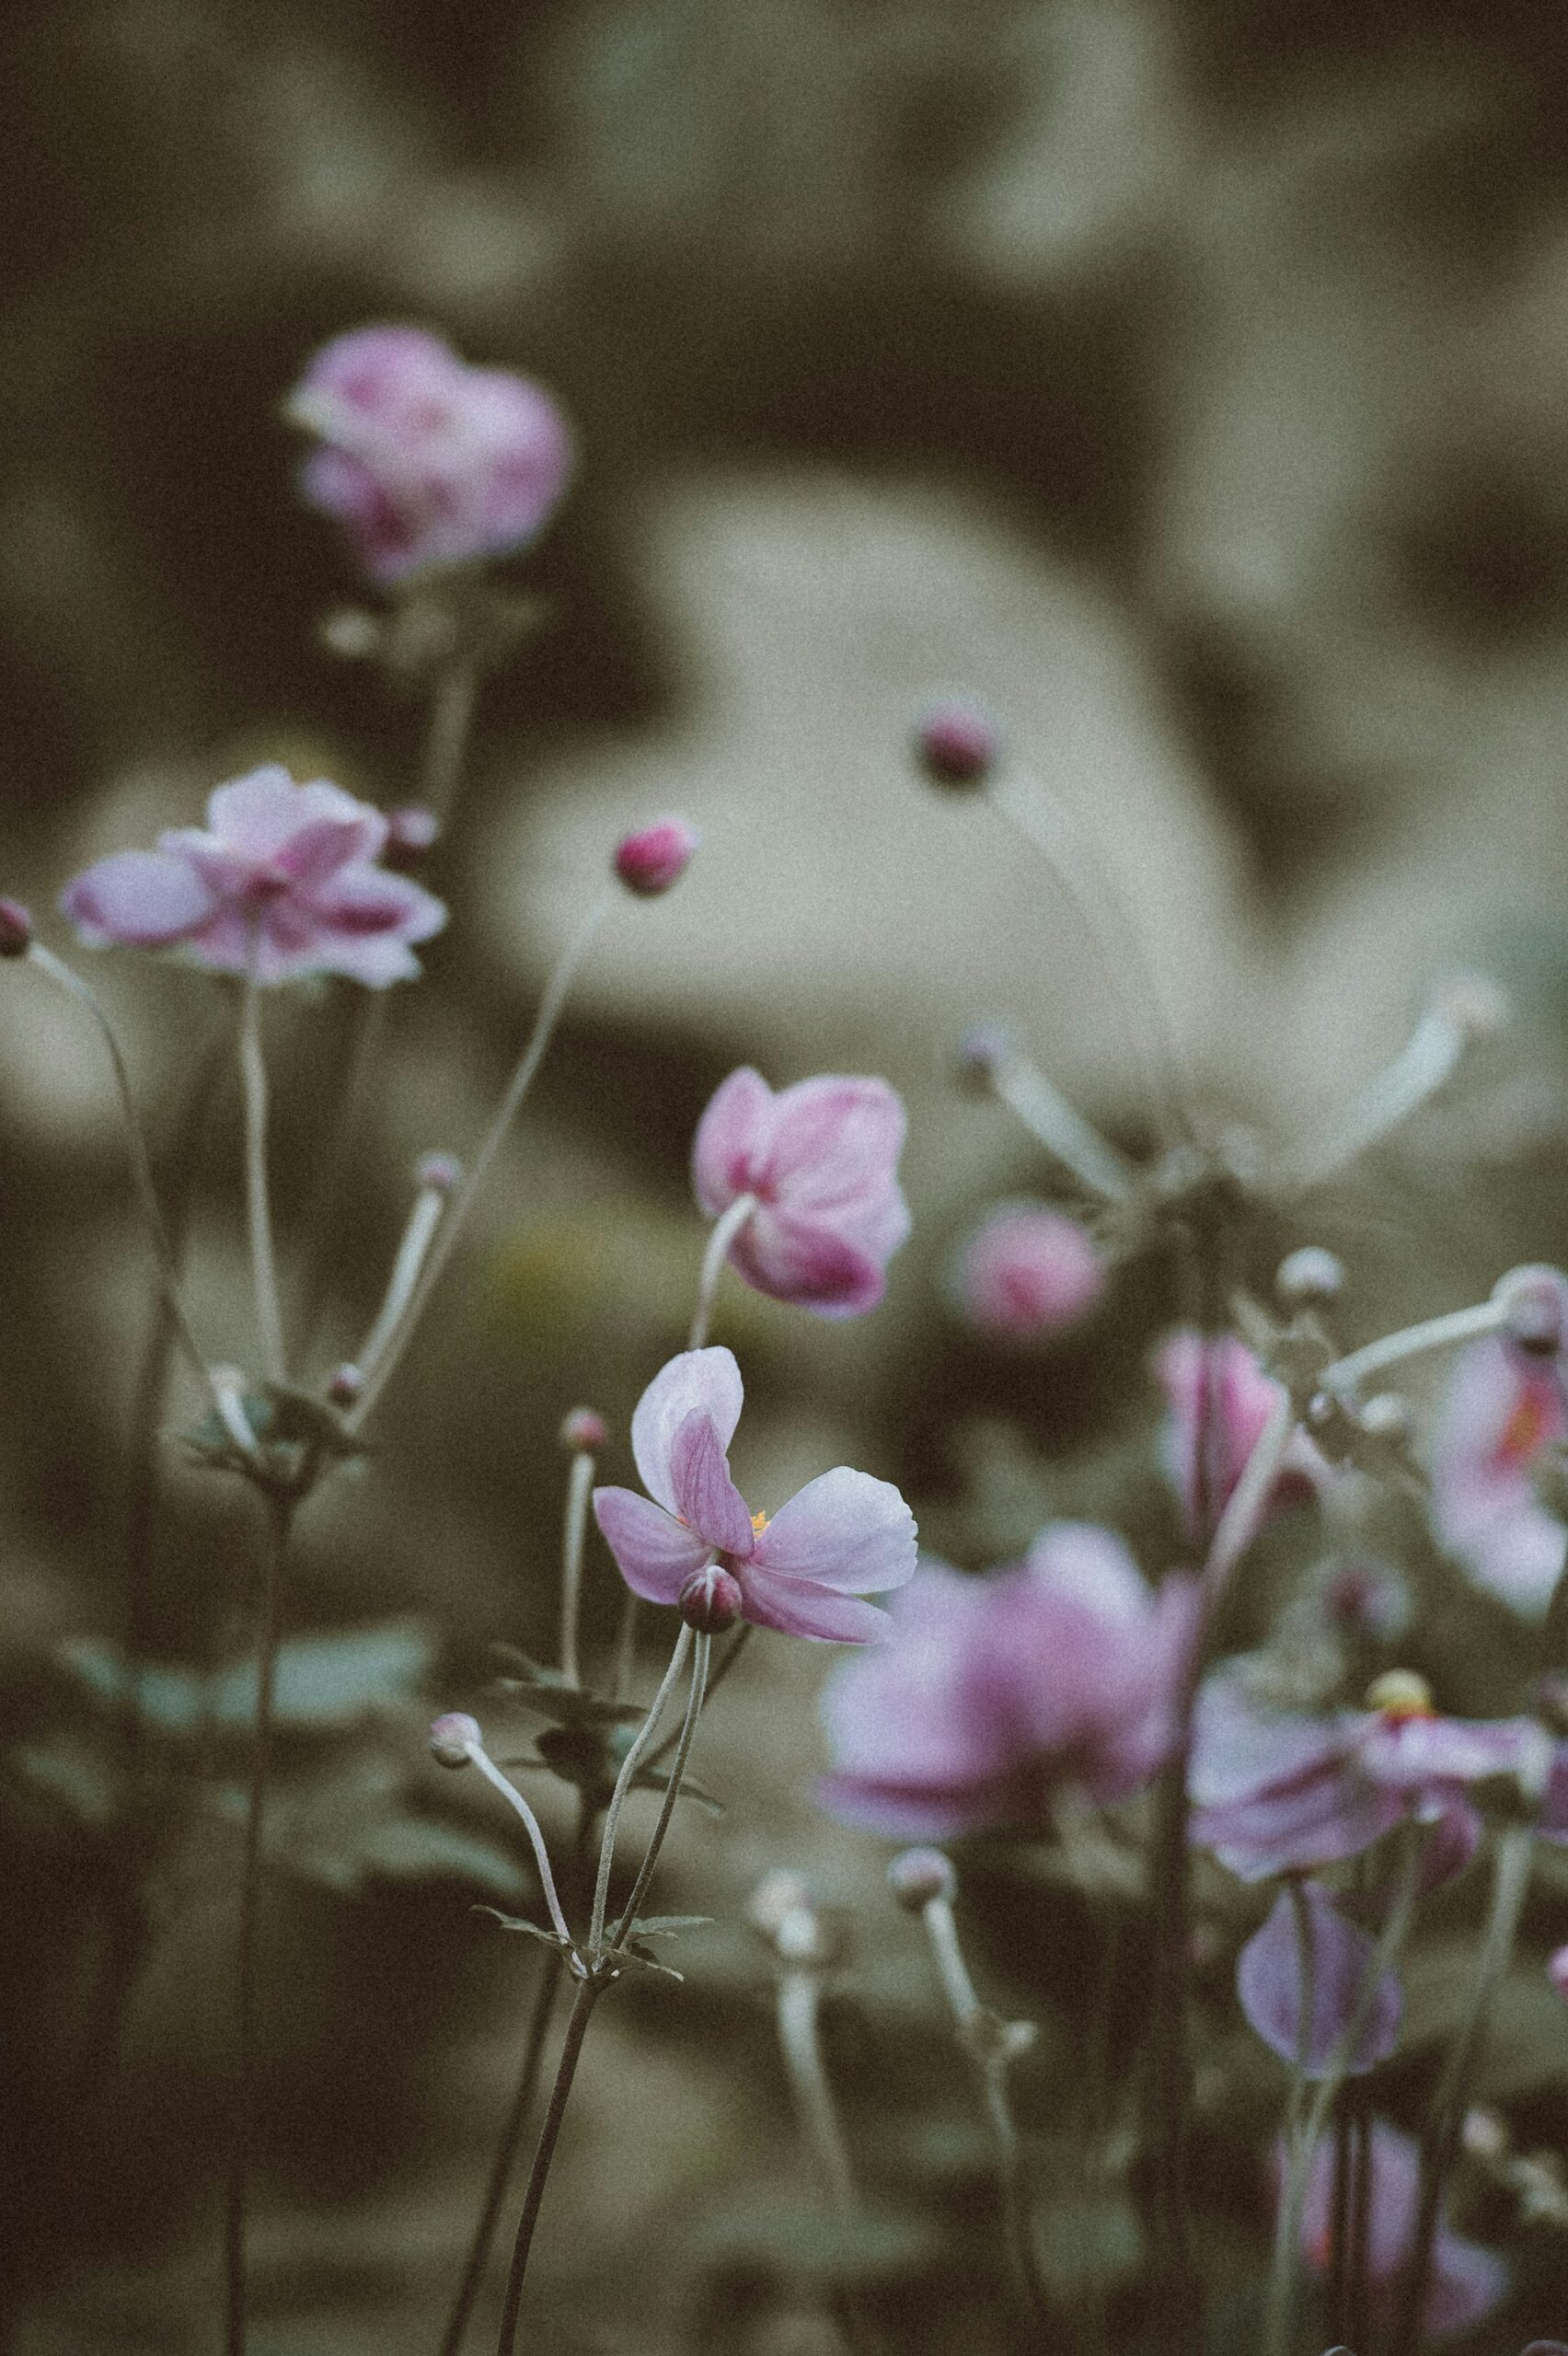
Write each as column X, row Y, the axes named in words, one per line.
column 1385, row 1416
column 982, row 1051
column 344, row 1384
column 411, row 833
column 15, row 928
column 1535, row 1301
column 712, row 1600
column 451, row 1736
column 917, row 1876
column 1026, row 1271
column 1400, row 1694
column 438, row 1173
column 1483, row 2134
column 1473, row 1003
column 956, row 743
column 352, row 633
column 1308, row 1277
column 583, row 1431
column 656, row 856
column 777, row 1896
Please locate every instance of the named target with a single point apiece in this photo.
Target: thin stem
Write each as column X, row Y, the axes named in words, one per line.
column 263, row 1264
column 510, row 1793
column 1243, row 1513
column 628, row 1922
column 724, row 1233
column 452, row 709
column 1346, row 1375
column 625, row 1660
column 1061, row 1130
column 578, row 1482
column 588, row 1994
column 424, row 1217
column 1428, row 1058
column 629, row 1766
column 550, row 1006
column 279, row 1523
column 800, row 2001
column 737, row 1646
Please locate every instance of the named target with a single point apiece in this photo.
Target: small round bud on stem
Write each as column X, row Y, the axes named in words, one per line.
column 656, row 856
column 438, row 1173
column 1310, row 1277
column 956, row 743
column 1473, row 1003
column 917, row 1876
column 411, row 833
column 15, row 928
column 980, row 1054
column 1400, row 1694
column 712, row 1600
column 1387, row 1416
column 352, row 633
column 777, row 1896
column 1535, row 1303
column 344, row 1384
column 452, row 1735
column 1483, row 2134
column 583, row 1431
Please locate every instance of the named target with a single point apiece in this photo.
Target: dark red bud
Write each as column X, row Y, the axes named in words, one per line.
column 711, row 1600
column 956, row 743
column 656, row 856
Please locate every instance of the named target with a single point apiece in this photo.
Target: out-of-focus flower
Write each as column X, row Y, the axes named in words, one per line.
column 1467, row 2281
column 997, row 1696
column 656, row 856
column 1026, row 1271
column 1269, row 1984
column 842, row 1536
column 1220, row 1399
column 822, row 1160
column 15, row 928
column 1279, row 1792
column 425, row 460
column 1503, row 1407
column 283, row 882
column 1556, row 1971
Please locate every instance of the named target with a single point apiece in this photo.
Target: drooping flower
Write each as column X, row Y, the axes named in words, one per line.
column 1467, row 2281
column 822, row 1160
column 282, row 882
column 1503, row 1407
column 997, row 1696
column 842, row 1537
column 426, row 461
column 1027, row 1271
column 1269, row 1983
column 1219, row 1400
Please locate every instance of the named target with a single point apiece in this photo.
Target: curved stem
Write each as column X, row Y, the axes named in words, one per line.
column 1346, row 1375
column 629, row 1766
column 419, row 1233
column 588, row 1994
column 799, row 2002
column 627, row 1921
column 259, row 1217
column 279, row 1523
column 1062, row 1130
column 724, row 1233
column 737, row 1646
column 579, row 1484
column 1424, row 1064
column 510, row 1793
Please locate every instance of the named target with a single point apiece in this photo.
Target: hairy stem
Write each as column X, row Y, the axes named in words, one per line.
column 629, row 1766
column 259, row 1216
column 699, row 1658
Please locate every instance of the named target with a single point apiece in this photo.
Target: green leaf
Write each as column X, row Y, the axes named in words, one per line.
column 76, row 1781
column 667, row 1926
column 555, row 1697
column 323, row 1681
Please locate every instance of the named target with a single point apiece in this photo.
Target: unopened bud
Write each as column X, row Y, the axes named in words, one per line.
column 344, row 1384
column 438, row 1173
column 982, row 1051
column 777, row 1894
column 656, row 856
column 1474, row 1003
column 1308, row 1277
column 1484, row 2135
column 411, row 833
column 956, row 741
column 15, row 928
column 711, row 1600
column 917, row 1876
column 583, row 1431
column 1387, row 1416
column 451, row 1736
column 352, row 633
column 1535, row 1302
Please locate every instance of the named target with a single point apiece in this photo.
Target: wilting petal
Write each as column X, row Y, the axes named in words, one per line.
column 139, row 900
column 844, row 1531
column 1269, row 1983
column 798, row 1608
column 654, row 1554
column 705, row 1496
column 709, row 1379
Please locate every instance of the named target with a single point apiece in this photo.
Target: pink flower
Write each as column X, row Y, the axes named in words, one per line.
column 1269, row 1985
column 998, row 1695
column 1027, row 1272
column 1501, row 1408
column 1466, row 2282
column 822, row 1160
column 284, row 880
column 842, row 1536
column 1220, row 1400
column 426, row 460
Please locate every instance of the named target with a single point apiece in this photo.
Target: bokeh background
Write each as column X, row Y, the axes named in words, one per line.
column 1190, row 380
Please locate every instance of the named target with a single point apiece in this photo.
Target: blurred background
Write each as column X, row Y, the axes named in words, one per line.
column 1189, row 380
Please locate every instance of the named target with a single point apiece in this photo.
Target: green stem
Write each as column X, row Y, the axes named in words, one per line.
column 263, row 1264
column 627, row 1921
column 579, row 1484
column 724, row 1233
column 588, row 1994
column 629, row 1766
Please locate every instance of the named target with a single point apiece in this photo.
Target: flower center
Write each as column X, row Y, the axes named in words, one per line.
column 1400, row 1694
column 759, row 1523
column 1525, row 1429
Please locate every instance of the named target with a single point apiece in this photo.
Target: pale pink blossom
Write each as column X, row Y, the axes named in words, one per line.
column 1219, row 1400
column 1503, row 1407
column 1026, row 1271
column 426, row 461
column 281, row 883
column 842, row 1537
column 822, row 1161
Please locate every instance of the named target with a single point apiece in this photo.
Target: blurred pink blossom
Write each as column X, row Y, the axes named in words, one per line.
column 1501, row 1408
column 998, row 1695
column 842, row 1536
column 1027, row 1271
column 1219, row 1400
column 1467, row 2281
column 822, row 1160
column 283, row 882
column 1269, row 1984
column 425, row 460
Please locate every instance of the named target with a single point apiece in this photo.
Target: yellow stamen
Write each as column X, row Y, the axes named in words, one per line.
column 759, row 1523
column 1399, row 1693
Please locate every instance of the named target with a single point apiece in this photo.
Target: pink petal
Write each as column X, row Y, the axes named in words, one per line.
column 706, row 1498
column 833, row 1138
column 796, row 1607
column 1269, row 1984
column 142, row 899
column 844, row 1530
column 256, row 813
column 730, row 1138
column 812, row 1265
column 1083, row 1564
column 707, row 1379
column 654, row 1554
column 361, row 900
column 317, row 851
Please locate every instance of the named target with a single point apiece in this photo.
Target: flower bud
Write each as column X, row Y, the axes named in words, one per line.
column 449, row 1737
column 583, row 1431
column 1385, row 1416
column 956, row 743
column 1535, row 1302
column 411, row 833
column 15, row 928
column 1400, row 1694
column 917, row 1876
column 1308, row 1277
column 344, row 1384
column 712, row 1600
column 656, row 856
column 438, row 1173
column 982, row 1051
column 1484, row 2134
column 1027, row 1271
column 777, row 1896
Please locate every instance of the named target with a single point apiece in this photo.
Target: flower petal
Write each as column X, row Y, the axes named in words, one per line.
column 705, row 1496
column 731, row 1138
column 654, row 1554
column 142, row 899
column 797, row 1608
column 255, row 815
column 835, row 1138
column 1269, row 1984
column 813, row 1266
column 844, row 1530
column 707, row 1379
